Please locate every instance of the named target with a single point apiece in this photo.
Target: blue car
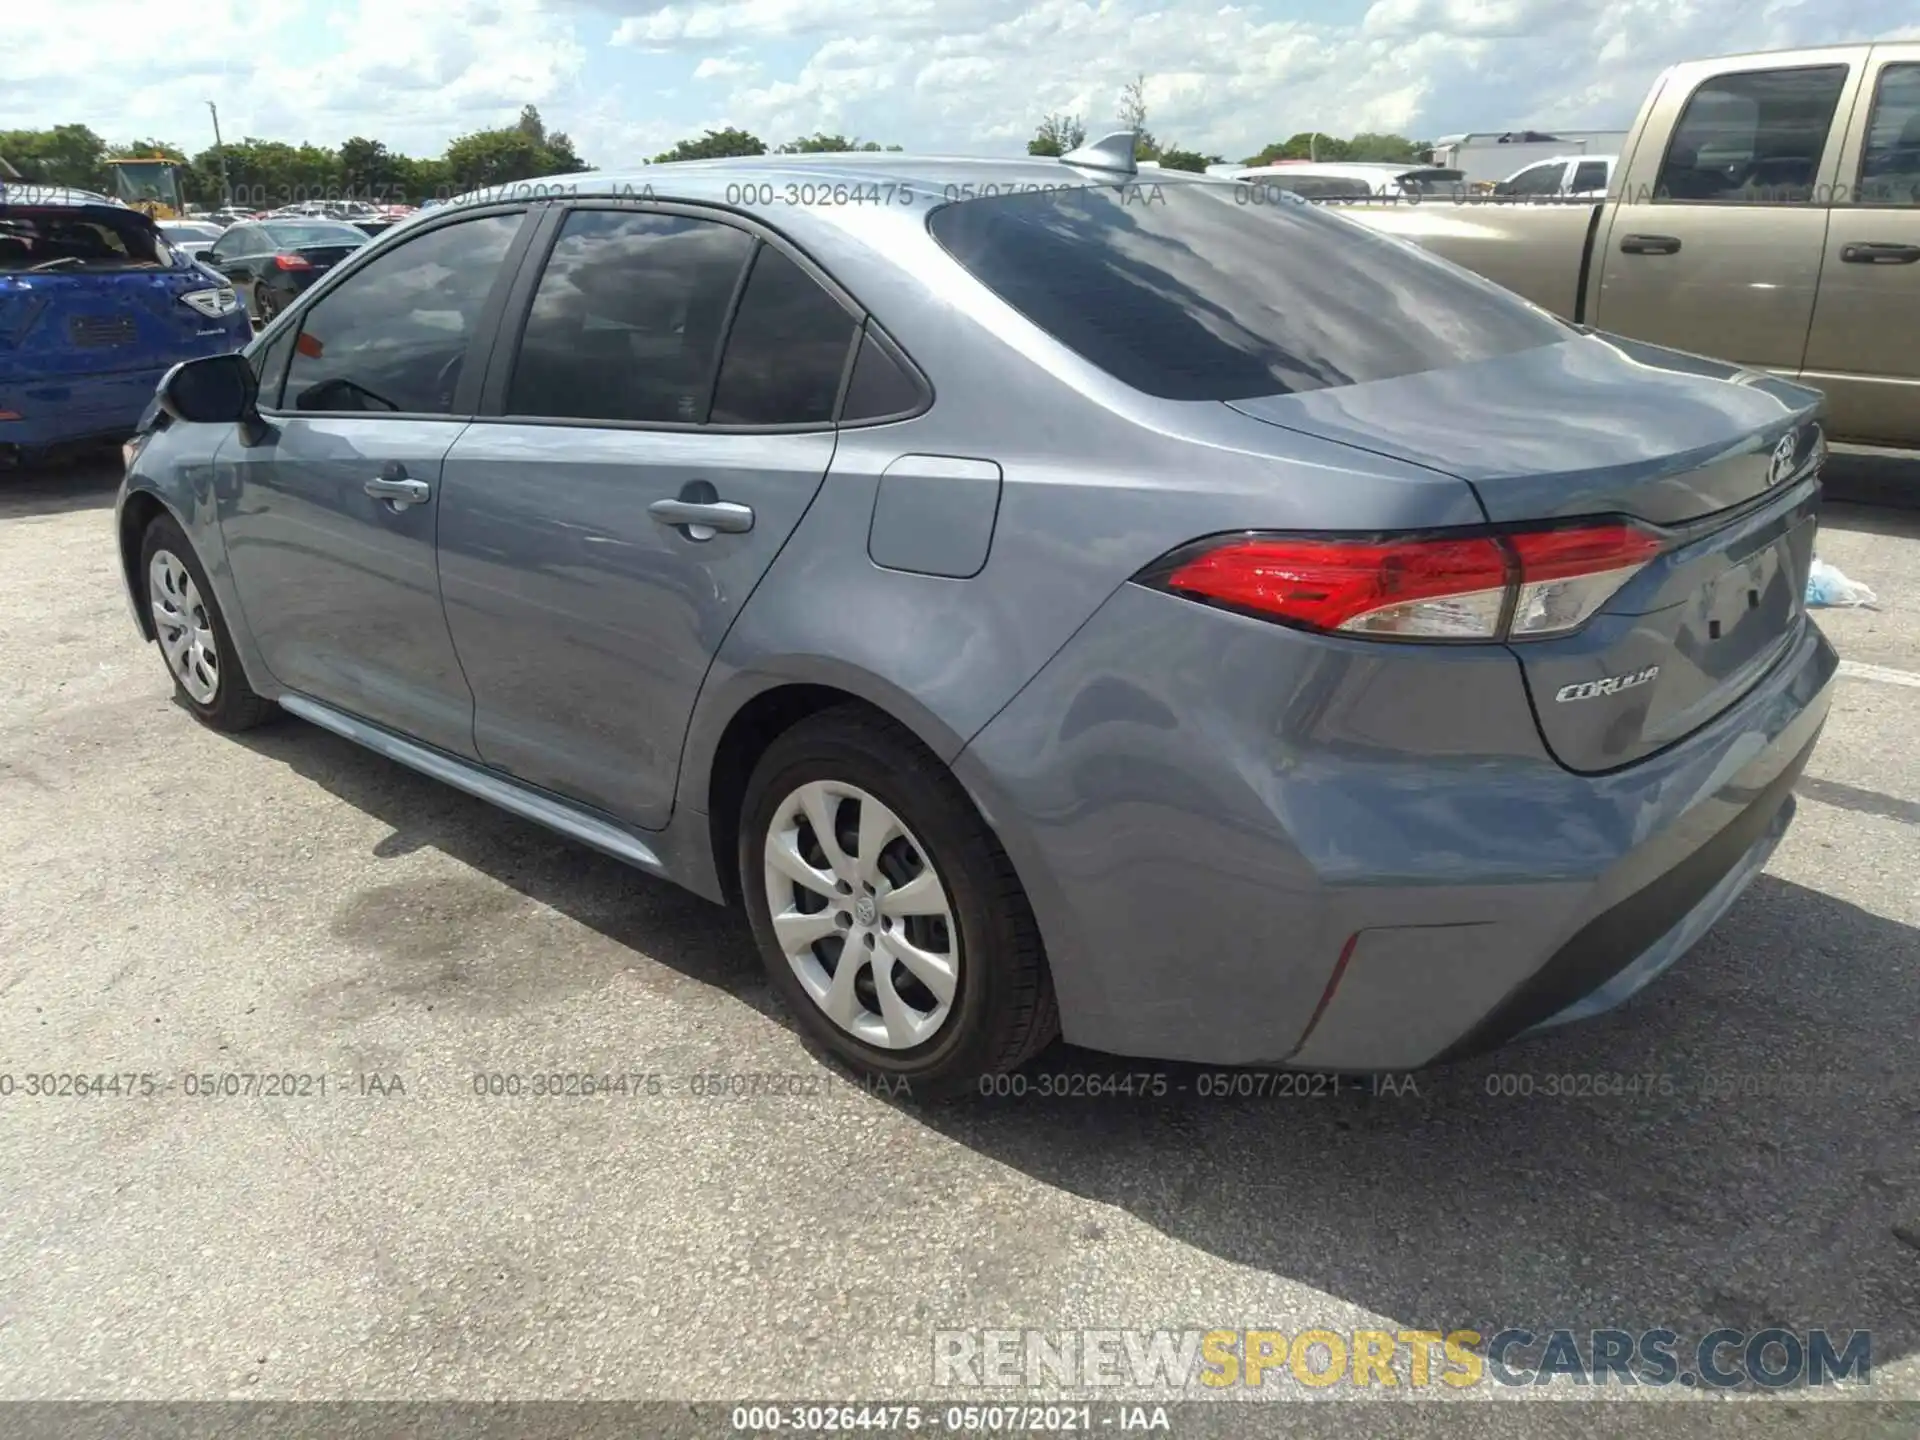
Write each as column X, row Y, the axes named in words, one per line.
column 95, row 307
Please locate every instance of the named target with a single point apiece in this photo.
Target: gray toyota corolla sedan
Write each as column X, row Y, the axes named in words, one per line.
column 1049, row 597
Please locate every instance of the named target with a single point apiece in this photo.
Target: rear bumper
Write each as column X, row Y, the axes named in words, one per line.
column 1286, row 850
column 105, row 406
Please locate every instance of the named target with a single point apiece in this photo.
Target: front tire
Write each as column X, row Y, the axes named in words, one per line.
column 856, row 843
column 193, row 636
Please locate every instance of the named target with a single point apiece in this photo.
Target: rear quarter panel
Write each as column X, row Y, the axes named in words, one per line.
column 1098, row 481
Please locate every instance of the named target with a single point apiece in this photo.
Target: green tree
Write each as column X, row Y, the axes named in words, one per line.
column 369, row 171
column 1057, row 135
column 64, row 155
column 1174, row 158
column 820, row 143
column 1133, row 115
column 714, row 145
column 494, row 157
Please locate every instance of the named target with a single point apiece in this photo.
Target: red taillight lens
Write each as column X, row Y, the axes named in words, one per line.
column 1443, row 589
column 1566, row 575
column 292, row 262
column 1482, row 587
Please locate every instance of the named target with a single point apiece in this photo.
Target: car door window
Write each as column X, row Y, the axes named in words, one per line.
column 269, row 364
column 1890, row 161
column 1752, row 138
column 1588, row 176
column 391, row 337
column 625, row 324
column 786, row 351
column 1541, row 179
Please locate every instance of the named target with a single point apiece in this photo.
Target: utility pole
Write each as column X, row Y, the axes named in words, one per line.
column 220, row 153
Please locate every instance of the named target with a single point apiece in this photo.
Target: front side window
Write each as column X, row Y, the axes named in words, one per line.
column 392, row 337
column 786, row 351
column 626, row 322
column 1589, row 176
column 1185, row 291
column 1890, row 162
column 1752, row 138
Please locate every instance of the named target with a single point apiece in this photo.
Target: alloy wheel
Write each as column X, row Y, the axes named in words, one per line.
column 861, row 915
column 185, row 629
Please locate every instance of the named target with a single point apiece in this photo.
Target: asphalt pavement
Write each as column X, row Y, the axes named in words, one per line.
column 182, row 907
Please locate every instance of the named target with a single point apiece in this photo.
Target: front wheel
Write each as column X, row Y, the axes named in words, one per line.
column 193, row 635
column 887, row 914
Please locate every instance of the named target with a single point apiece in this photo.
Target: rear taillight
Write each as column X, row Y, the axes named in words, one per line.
column 212, row 303
column 292, row 262
column 1514, row 586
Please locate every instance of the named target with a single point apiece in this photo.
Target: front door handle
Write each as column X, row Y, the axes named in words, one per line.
column 1650, row 245
column 702, row 519
column 1879, row 252
column 397, row 488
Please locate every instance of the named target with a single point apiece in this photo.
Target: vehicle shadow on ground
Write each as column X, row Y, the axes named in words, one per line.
column 87, row 480
column 1738, row 1149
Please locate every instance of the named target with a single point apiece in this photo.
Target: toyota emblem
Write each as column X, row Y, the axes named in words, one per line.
column 1781, row 465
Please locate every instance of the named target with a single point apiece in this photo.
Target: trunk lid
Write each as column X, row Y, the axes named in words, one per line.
column 1721, row 463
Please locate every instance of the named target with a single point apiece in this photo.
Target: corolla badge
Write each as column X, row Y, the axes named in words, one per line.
column 1781, row 465
column 1612, row 685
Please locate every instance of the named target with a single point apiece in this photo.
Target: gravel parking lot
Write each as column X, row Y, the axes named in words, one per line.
column 179, row 904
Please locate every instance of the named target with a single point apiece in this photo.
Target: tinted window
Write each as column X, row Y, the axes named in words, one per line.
column 1536, row 180
column 880, row 385
column 787, row 349
column 269, row 364
column 296, row 235
column 1754, row 138
column 392, row 336
column 1314, row 187
column 1184, row 291
column 626, row 322
column 1890, row 165
column 1589, row 175
column 241, row 240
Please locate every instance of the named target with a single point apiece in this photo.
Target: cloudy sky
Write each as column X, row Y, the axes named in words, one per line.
column 627, row 77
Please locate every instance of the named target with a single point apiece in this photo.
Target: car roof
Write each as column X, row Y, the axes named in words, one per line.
column 919, row 181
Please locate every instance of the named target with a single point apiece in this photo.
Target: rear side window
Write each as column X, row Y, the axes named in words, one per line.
column 1890, row 163
column 1182, row 292
column 1752, row 138
column 1589, row 175
column 393, row 336
column 626, row 322
column 786, row 351
column 881, row 387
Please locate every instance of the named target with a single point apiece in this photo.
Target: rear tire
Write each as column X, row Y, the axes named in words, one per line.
column 194, row 641
column 936, row 889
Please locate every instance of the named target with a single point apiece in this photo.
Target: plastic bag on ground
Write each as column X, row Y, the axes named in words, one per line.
column 1827, row 586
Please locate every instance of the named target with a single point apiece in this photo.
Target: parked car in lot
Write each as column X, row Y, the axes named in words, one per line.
column 190, row 237
column 1768, row 213
column 1044, row 600
column 271, row 261
column 95, row 306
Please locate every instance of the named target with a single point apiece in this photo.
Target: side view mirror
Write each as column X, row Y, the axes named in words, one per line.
column 212, row 390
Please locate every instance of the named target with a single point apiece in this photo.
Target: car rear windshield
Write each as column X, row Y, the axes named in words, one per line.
column 295, row 234
column 57, row 239
column 1209, row 291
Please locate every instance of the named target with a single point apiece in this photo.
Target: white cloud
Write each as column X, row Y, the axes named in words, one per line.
column 948, row 74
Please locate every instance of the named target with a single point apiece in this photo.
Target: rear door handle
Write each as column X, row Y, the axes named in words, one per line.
column 701, row 520
column 1879, row 252
column 1650, row 245
column 394, row 486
